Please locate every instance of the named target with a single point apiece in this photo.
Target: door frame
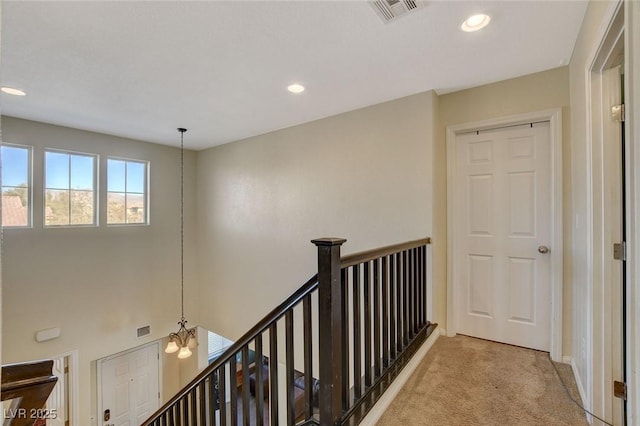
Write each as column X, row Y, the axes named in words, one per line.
column 602, row 307
column 632, row 127
column 119, row 354
column 73, row 384
column 554, row 116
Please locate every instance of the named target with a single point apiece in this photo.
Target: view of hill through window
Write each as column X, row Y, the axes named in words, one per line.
column 16, row 182
column 126, row 191
column 69, row 189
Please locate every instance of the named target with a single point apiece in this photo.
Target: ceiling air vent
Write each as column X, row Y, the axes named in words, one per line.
column 390, row 10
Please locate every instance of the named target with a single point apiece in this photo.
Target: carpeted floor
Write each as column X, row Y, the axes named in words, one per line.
column 468, row 381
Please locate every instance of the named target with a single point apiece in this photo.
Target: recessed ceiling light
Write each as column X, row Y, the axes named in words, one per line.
column 296, row 88
column 475, row 23
column 12, row 91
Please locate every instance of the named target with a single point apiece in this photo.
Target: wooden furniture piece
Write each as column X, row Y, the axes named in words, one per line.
column 29, row 385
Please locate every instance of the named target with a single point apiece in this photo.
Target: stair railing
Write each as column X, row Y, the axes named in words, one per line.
column 371, row 316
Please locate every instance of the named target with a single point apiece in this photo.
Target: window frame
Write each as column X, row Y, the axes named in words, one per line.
column 146, row 186
column 96, row 187
column 29, row 149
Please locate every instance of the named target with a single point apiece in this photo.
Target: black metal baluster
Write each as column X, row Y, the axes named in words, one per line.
column 357, row 335
column 273, row 373
column 233, row 390
column 418, row 288
column 393, row 341
column 185, row 412
column 193, row 399
column 405, row 290
column 291, row 411
column 259, row 380
column 179, row 413
column 367, row 325
column 246, row 395
column 385, row 313
column 425, row 319
column 412, row 293
column 212, row 398
column 400, row 301
column 202, row 402
column 170, row 418
column 345, row 339
column 416, row 268
column 376, row 318
column 222, row 393
column 308, row 357
column 421, row 287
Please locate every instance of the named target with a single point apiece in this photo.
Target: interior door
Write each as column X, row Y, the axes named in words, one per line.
column 502, row 216
column 130, row 387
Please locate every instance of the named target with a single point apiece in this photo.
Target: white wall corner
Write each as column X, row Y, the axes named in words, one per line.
column 572, row 362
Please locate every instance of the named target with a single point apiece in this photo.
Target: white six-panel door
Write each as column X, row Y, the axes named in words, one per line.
column 502, row 216
column 130, row 387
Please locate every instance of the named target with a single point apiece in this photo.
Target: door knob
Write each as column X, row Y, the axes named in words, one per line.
column 543, row 249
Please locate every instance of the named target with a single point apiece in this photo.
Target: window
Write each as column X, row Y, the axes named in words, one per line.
column 126, row 192
column 16, row 185
column 69, row 193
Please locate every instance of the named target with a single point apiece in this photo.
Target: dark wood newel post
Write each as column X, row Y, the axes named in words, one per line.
column 330, row 330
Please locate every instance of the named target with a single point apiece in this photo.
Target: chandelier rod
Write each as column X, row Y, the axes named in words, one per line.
column 182, row 130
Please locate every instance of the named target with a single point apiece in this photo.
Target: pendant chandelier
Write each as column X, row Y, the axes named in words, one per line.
column 184, row 339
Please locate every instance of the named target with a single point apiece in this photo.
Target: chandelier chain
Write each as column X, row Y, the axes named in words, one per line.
column 182, row 219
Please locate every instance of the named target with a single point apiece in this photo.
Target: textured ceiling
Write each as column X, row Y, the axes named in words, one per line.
column 220, row 68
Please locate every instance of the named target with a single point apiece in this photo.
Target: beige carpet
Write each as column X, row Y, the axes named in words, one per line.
column 468, row 381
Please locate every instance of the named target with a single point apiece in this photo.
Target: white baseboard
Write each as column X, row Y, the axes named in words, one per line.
column 583, row 396
column 392, row 391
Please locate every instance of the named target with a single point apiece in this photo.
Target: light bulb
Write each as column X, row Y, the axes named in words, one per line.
column 185, row 352
column 171, row 347
column 192, row 342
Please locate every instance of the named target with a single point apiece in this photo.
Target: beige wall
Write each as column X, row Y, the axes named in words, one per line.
column 97, row 284
column 365, row 175
column 534, row 92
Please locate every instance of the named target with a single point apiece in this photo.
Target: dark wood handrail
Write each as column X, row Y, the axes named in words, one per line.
column 247, row 338
column 31, row 382
column 364, row 256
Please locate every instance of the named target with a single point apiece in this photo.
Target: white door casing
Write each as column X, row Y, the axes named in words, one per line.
column 602, row 364
column 129, row 386
column 57, row 402
column 497, row 257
